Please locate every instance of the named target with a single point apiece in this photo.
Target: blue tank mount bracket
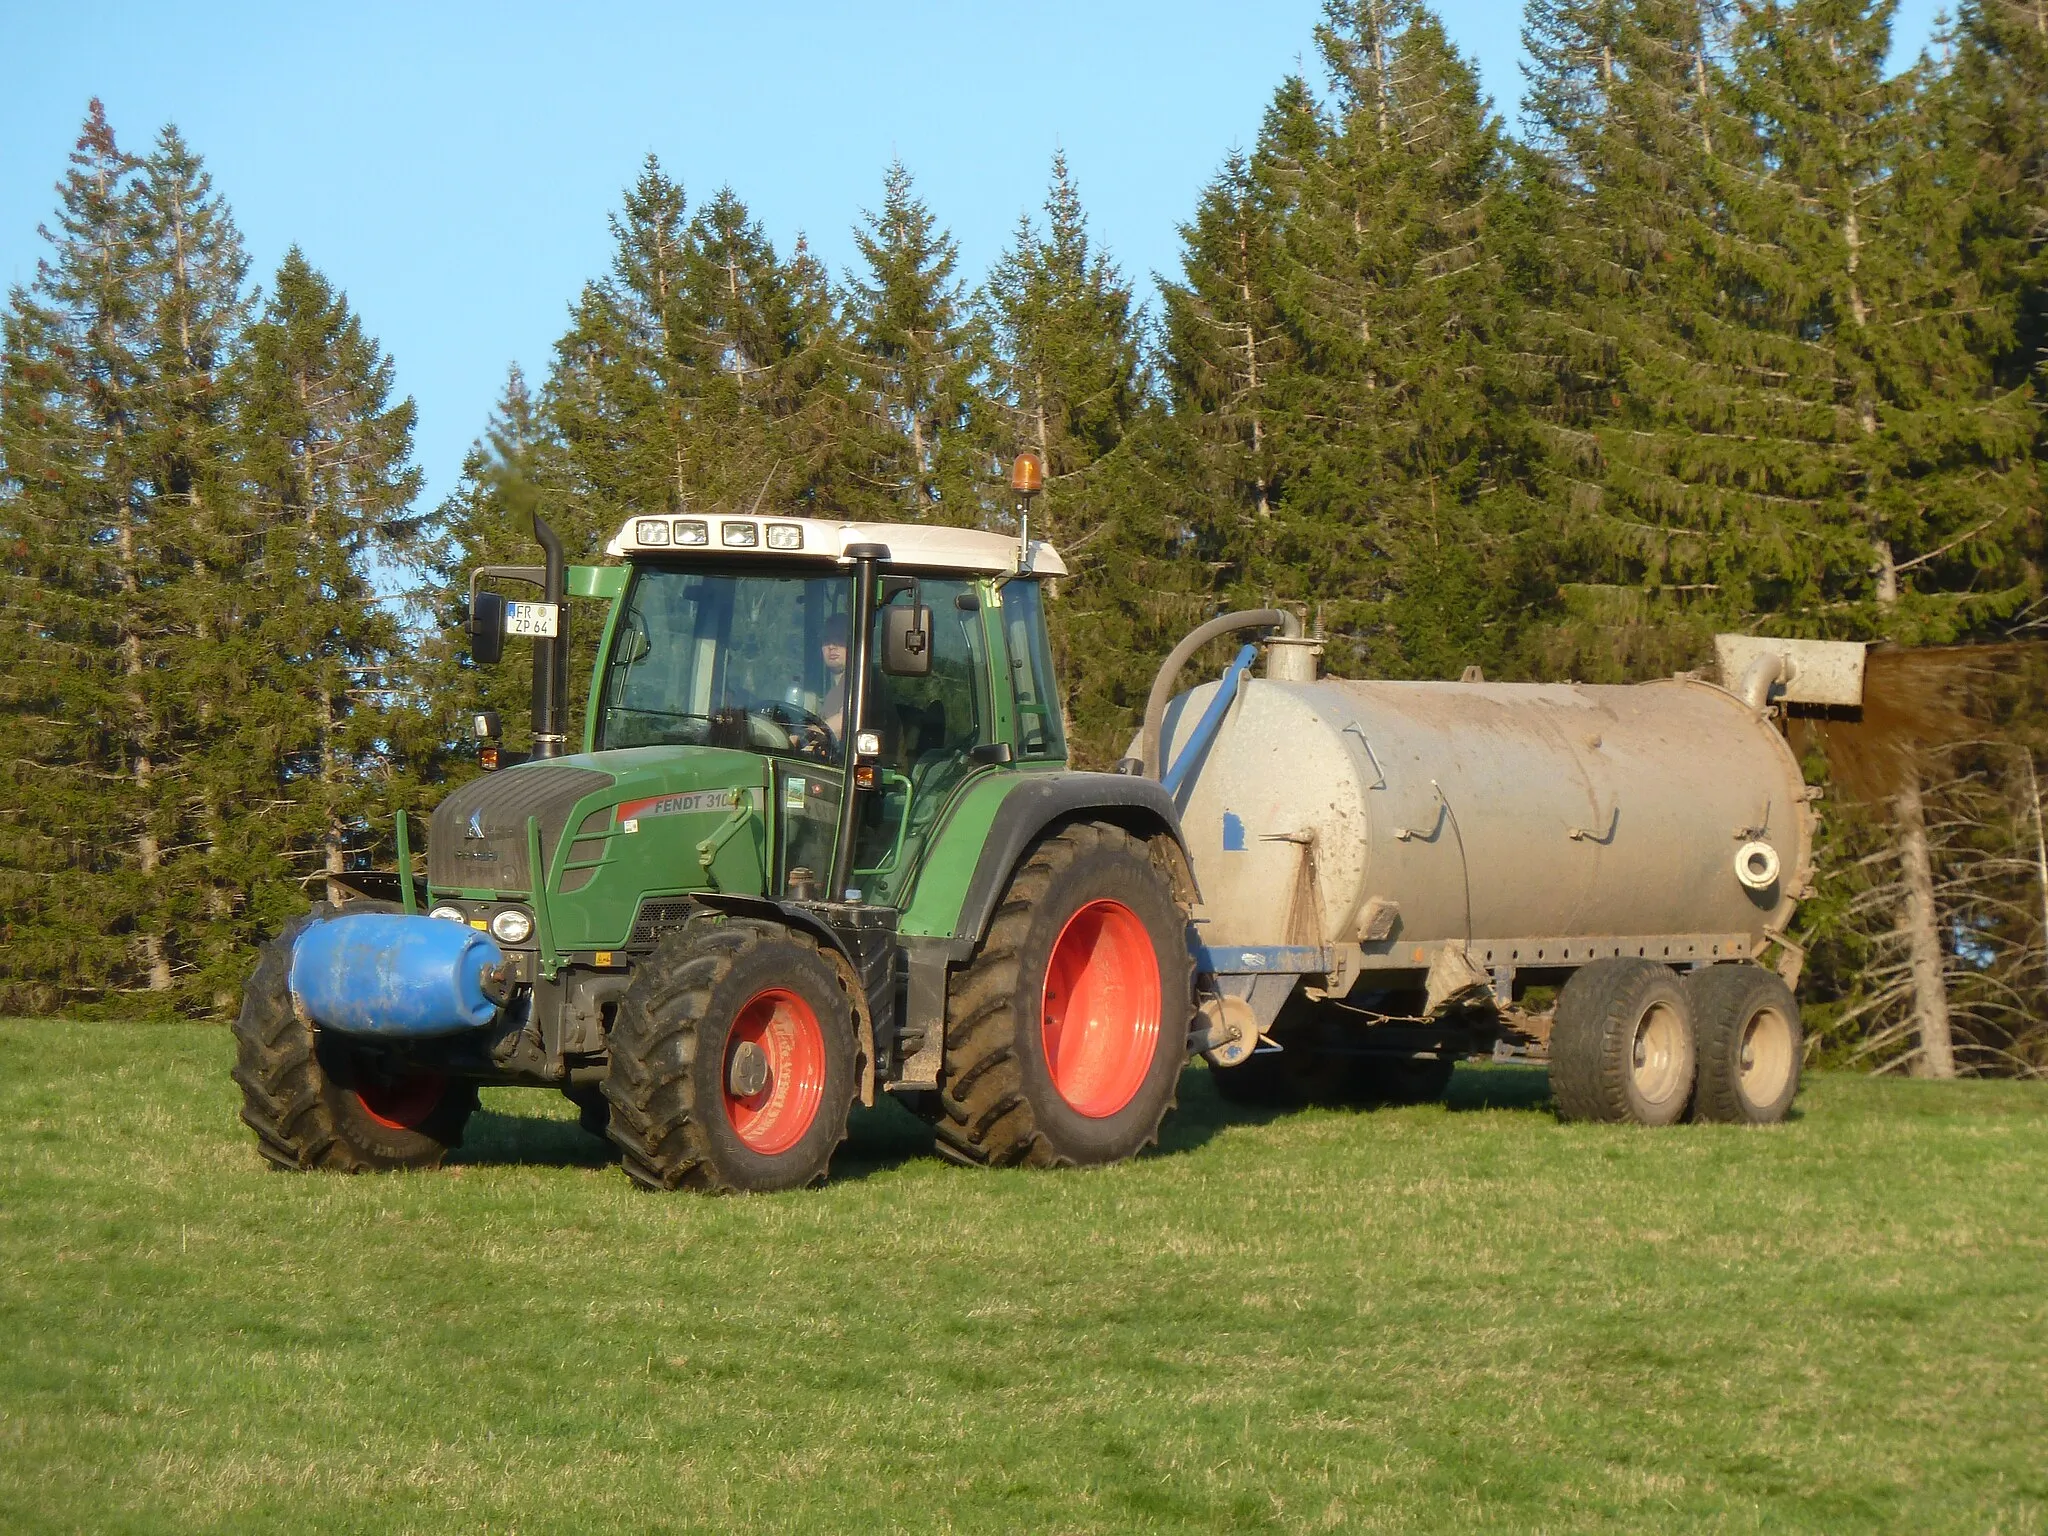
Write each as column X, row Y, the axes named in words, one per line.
column 386, row 974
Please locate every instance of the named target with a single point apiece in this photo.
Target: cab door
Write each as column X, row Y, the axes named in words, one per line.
column 929, row 727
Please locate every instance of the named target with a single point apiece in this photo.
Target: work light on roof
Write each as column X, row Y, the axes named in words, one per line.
column 740, row 535
column 650, row 530
column 785, row 536
column 692, row 530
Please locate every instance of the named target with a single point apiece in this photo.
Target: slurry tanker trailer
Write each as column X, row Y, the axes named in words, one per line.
column 821, row 841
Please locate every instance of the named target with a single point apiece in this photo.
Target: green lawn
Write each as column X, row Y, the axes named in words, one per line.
column 1463, row 1317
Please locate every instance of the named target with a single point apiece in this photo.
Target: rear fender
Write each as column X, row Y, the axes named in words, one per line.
column 1039, row 807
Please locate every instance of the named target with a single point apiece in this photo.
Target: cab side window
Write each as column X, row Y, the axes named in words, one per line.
column 1031, row 675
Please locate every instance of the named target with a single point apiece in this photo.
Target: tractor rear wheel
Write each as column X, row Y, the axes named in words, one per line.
column 1750, row 1044
column 315, row 1100
column 1622, row 1047
column 732, row 1061
column 1066, row 1034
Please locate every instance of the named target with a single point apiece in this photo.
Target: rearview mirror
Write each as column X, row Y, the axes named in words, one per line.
column 906, row 641
column 486, row 628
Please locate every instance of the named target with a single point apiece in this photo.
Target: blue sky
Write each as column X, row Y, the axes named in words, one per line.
column 451, row 166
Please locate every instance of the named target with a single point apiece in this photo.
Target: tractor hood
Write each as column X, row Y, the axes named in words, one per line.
column 478, row 838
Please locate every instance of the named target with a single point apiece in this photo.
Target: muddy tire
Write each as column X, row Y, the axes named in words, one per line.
column 732, row 1061
column 1622, row 1048
column 315, row 1100
column 1750, row 1044
column 1066, row 1034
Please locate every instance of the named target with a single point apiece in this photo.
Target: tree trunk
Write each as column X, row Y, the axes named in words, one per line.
column 1937, row 1056
column 2040, row 848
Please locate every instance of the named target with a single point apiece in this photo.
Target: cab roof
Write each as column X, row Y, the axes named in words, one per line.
column 925, row 546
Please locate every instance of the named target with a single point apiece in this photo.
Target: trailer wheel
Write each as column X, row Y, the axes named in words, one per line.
column 1068, row 1031
column 316, row 1101
column 732, row 1061
column 1750, row 1044
column 1622, row 1046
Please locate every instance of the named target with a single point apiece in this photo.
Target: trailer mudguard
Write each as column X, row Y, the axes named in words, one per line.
column 389, row 975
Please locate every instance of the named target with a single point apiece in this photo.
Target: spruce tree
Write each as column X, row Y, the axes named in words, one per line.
column 1407, row 466
column 517, row 470
column 1995, row 97
column 1070, row 384
column 1635, row 143
column 772, row 404
column 703, row 370
column 917, row 448
column 328, row 460
column 89, row 664
column 1883, row 440
column 630, row 370
column 1224, row 339
column 195, row 275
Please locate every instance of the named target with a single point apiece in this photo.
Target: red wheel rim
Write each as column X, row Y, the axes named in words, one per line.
column 1099, row 1012
column 785, row 1029
column 402, row 1103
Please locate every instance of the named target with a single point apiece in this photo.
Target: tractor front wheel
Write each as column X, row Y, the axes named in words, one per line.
column 315, row 1100
column 1066, row 1034
column 732, row 1061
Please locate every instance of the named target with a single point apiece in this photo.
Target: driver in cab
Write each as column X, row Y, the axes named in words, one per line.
column 823, row 733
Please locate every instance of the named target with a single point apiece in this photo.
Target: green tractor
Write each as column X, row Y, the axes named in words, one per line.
column 821, row 842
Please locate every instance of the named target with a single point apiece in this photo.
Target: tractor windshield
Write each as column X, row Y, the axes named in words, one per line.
column 748, row 659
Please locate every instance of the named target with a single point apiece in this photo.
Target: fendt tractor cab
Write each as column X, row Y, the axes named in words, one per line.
column 820, row 841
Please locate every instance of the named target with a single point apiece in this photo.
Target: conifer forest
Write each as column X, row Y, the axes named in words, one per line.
column 1721, row 327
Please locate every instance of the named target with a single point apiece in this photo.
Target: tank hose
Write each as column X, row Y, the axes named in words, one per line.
column 1169, row 672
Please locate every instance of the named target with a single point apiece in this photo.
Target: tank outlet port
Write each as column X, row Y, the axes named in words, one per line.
column 1756, row 865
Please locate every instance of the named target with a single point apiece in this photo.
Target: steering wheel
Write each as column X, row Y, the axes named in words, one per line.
column 801, row 730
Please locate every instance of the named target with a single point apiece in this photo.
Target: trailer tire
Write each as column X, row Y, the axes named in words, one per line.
column 732, row 1061
column 1622, row 1047
column 315, row 1101
column 1088, row 933
column 1750, row 1044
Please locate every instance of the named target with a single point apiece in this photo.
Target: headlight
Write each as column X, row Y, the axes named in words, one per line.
column 692, row 531
column 511, row 926
column 785, row 536
column 650, row 530
column 740, row 535
column 453, row 914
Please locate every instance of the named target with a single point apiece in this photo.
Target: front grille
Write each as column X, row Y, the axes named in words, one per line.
column 659, row 915
column 478, row 836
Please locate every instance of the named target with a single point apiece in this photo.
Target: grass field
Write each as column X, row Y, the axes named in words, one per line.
column 1463, row 1317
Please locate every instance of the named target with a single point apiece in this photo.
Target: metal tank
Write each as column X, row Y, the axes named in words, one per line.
column 1527, row 825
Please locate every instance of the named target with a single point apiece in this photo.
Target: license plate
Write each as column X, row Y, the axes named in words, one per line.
column 536, row 619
